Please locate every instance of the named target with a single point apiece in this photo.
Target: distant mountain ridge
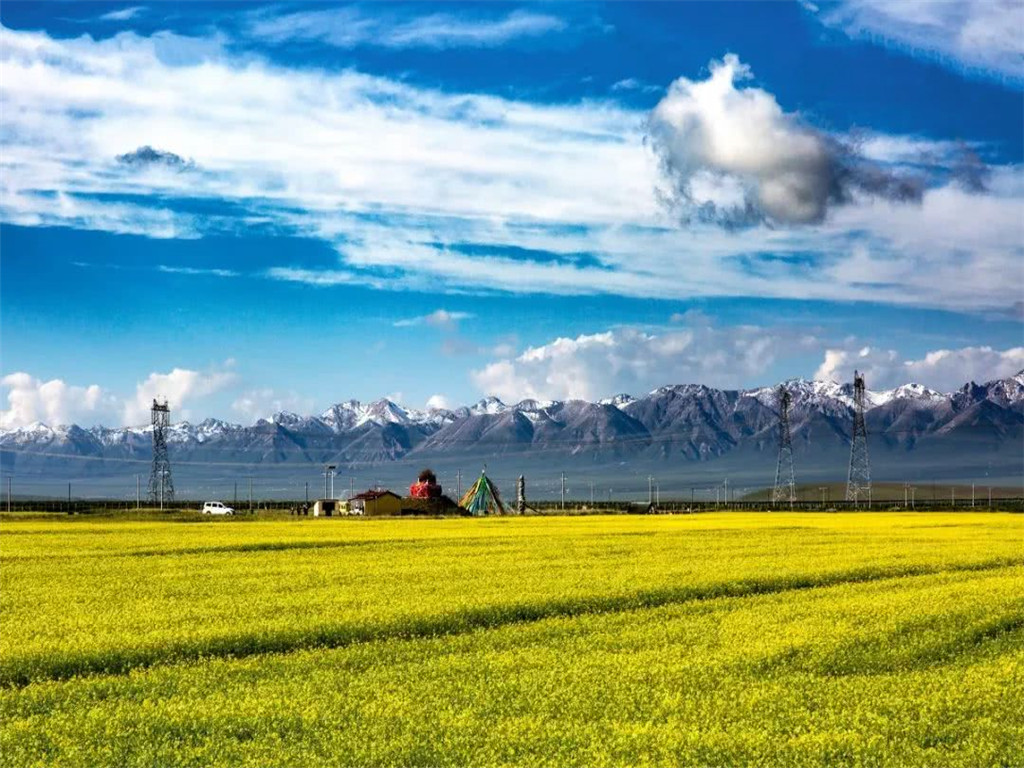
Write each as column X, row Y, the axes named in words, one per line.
column 690, row 422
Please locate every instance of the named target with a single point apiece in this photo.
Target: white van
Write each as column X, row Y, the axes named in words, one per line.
column 216, row 508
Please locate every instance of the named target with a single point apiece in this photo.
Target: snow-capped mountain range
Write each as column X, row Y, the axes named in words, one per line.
column 689, row 422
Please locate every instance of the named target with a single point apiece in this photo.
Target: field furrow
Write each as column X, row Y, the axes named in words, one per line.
column 798, row 639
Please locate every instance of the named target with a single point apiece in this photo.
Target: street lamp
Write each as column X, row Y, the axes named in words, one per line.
column 329, row 481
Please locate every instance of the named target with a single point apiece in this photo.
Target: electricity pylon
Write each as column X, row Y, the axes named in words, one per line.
column 161, row 486
column 858, row 483
column 785, row 478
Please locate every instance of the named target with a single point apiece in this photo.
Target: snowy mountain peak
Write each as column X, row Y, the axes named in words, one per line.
column 913, row 392
column 284, row 418
column 489, row 405
column 37, row 431
column 531, row 406
column 384, row 411
column 619, row 401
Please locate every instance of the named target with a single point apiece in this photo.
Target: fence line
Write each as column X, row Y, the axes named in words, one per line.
column 571, row 506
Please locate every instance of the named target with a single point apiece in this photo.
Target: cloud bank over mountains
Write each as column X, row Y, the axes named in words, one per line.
column 587, row 367
column 942, row 369
column 30, row 399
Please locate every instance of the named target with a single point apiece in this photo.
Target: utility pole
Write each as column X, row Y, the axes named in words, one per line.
column 972, row 495
column 138, row 492
column 657, row 495
column 905, row 495
column 563, row 490
column 990, row 497
column 952, row 496
column 727, row 491
column 458, row 483
column 351, row 487
column 591, row 494
column 691, row 495
column 650, row 490
column 250, row 494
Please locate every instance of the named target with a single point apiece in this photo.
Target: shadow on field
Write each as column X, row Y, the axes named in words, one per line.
column 914, row 646
column 18, row 671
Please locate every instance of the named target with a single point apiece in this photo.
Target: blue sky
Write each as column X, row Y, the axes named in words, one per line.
column 248, row 208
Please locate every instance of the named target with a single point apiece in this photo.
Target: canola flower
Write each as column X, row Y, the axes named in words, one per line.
column 872, row 639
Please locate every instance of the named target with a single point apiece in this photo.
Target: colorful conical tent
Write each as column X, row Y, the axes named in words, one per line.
column 482, row 498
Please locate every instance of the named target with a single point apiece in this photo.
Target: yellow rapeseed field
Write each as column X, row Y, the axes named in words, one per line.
column 714, row 639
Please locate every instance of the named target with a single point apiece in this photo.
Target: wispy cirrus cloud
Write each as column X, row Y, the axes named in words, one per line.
column 417, row 188
column 973, row 36
column 634, row 84
column 351, row 26
column 123, row 14
column 439, row 318
column 197, row 271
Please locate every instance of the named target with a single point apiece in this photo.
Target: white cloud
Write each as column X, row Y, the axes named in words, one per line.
column 970, row 35
column 401, row 179
column 633, row 84
column 943, row 369
column 734, row 155
column 52, row 402
column 439, row 318
column 349, row 27
column 178, row 387
column 197, row 271
column 263, row 403
column 438, row 401
column 124, row 14
column 592, row 366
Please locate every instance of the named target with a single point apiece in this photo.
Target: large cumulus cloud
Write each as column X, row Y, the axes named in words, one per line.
column 56, row 402
column 733, row 156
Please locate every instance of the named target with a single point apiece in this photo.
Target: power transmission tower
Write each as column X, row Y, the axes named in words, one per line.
column 521, row 495
column 785, row 479
column 858, row 484
column 161, row 486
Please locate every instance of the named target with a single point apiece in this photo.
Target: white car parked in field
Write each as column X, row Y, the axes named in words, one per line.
column 216, row 508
